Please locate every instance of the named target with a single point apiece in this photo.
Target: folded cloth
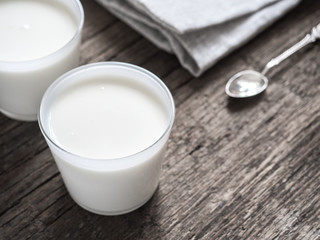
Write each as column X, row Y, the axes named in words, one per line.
column 199, row 32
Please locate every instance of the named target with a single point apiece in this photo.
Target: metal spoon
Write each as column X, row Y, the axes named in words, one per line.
column 250, row 83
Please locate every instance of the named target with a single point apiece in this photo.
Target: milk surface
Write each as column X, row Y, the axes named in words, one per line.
column 107, row 117
column 31, row 29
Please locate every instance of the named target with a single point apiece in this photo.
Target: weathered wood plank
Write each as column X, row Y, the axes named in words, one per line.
column 96, row 20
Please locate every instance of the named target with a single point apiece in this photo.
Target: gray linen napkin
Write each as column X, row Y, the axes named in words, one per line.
column 199, row 32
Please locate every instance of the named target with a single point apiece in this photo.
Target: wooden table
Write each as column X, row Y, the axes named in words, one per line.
column 233, row 169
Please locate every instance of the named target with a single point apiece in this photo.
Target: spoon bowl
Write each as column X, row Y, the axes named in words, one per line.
column 246, row 83
column 250, row 83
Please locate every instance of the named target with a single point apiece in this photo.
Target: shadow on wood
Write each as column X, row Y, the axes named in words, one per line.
column 239, row 104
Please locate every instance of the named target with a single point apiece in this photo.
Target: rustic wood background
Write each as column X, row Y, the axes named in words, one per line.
column 233, row 170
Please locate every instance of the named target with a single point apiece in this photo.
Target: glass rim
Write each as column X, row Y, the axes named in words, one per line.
column 69, row 74
column 38, row 61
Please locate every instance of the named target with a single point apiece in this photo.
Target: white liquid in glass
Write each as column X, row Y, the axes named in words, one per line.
column 107, row 118
column 32, row 29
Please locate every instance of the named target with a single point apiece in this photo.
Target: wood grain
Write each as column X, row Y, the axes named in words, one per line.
column 233, row 169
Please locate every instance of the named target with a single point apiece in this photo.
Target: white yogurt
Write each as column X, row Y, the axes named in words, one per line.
column 39, row 42
column 107, row 117
column 107, row 126
column 33, row 29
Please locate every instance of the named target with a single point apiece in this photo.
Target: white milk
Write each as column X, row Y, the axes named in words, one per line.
column 32, row 29
column 107, row 126
column 107, row 118
column 39, row 42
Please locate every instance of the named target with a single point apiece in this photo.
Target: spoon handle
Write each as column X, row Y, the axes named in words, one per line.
column 309, row 38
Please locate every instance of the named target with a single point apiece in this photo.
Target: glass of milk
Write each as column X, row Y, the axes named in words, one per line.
column 107, row 126
column 39, row 42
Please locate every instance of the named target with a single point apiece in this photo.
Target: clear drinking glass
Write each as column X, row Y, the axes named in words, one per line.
column 109, row 186
column 23, row 83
